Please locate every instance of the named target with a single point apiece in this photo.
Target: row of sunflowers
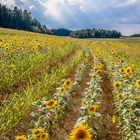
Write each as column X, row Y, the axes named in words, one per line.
column 85, row 128
column 126, row 96
column 50, row 110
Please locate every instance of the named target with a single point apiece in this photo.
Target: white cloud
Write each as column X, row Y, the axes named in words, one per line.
column 83, row 13
column 31, row 7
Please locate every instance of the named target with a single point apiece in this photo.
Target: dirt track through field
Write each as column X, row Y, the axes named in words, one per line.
column 107, row 130
column 73, row 112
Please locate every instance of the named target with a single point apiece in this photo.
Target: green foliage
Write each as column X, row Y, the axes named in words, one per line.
column 20, row 19
column 95, row 33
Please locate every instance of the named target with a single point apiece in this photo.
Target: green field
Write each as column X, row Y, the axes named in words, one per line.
column 35, row 68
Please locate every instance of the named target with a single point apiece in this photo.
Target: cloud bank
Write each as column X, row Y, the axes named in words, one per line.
column 122, row 15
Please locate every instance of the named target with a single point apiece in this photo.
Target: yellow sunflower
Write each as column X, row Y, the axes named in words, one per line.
column 123, row 78
column 117, row 85
column 81, row 132
column 94, row 76
column 36, row 133
column 67, row 83
column 113, row 119
column 137, row 97
column 128, row 71
column 51, row 104
column 122, row 70
column 92, row 109
column 80, row 68
column 138, row 83
column 99, row 72
column 119, row 96
column 44, row 136
column 21, row 137
column 62, row 90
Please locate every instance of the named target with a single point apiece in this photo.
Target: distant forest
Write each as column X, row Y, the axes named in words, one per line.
column 135, row 35
column 95, row 33
column 23, row 20
column 20, row 19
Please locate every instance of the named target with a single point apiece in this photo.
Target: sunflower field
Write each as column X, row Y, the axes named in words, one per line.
column 58, row 88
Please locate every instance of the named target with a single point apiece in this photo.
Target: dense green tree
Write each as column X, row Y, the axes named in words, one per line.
column 20, row 19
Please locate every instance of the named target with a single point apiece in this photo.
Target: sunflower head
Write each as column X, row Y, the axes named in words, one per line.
column 138, row 84
column 94, row 76
column 99, row 72
column 51, row 104
column 117, row 85
column 21, row 137
column 128, row 71
column 81, row 132
column 119, row 96
column 80, row 68
column 137, row 97
column 36, row 133
column 67, row 83
column 62, row 90
column 44, row 136
column 92, row 109
column 122, row 70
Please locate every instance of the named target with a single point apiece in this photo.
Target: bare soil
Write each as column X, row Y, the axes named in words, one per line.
column 107, row 130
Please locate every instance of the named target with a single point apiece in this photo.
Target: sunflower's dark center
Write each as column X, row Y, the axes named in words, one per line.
column 81, row 134
column 117, row 85
column 36, row 132
column 92, row 109
column 68, row 82
column 43, row 136
column 51, row 103
column 62, row 90
column 120, row 96
column 128, row 70
column 138, row 82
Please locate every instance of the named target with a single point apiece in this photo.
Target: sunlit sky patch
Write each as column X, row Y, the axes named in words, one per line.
column 122, row 15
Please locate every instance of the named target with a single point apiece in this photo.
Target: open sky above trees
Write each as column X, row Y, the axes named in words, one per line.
column 121, row 15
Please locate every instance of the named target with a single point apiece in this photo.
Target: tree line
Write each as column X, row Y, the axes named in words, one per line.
column 20, row 19
column 135, row 35
column 23, row 20
column 95, row 33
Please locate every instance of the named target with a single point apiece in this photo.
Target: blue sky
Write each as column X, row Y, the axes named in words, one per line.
column 122, row 15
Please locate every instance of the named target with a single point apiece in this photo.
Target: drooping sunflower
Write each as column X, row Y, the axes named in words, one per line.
column 92, row 109
column 138, row 84
column 44, row 136
column 62, row 90
column 81, row 132
column 119, row 96
column 117, row 85
column 123, row 78
column 36, row 133
column 67, row 83
column 51, row 104
column 21, row 137
column 94, row 76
